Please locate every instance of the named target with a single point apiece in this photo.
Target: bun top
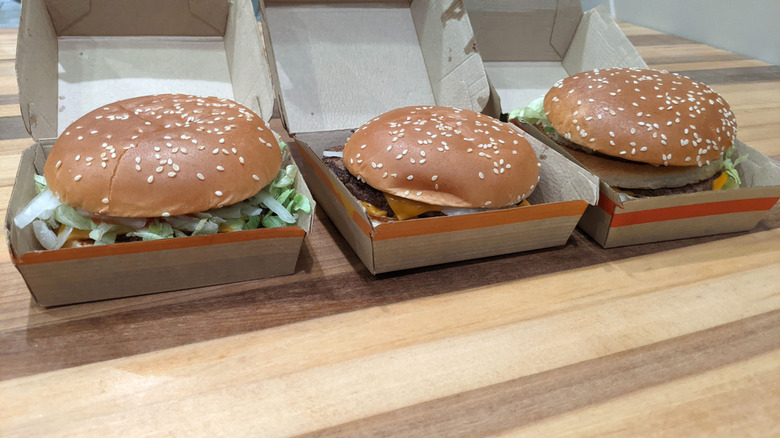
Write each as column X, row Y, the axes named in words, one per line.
column 443, row 156
column 648, row 116
column 162, row 155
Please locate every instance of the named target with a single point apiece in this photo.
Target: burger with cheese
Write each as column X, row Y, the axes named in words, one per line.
column 645, row 131
column 160, row 166
column 430, row 161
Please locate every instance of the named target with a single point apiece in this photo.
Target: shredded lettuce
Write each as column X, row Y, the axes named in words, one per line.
column 155, row 231
column 252, row 223
column 278, row 205
column 533, row 114
column 104, row 233
column 68, row 215
column 40, row 183
column 730, row 167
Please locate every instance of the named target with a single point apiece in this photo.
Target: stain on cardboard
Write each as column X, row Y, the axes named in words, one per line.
column 471, row 46
column 454, row 12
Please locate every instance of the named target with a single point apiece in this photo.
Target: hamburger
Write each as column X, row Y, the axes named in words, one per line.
column 430, row 160
column 155, row 167
column 646, row 132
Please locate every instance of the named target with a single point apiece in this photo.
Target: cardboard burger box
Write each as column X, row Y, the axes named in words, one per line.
column 344, row 64
column 75, row 56
column 528, row 46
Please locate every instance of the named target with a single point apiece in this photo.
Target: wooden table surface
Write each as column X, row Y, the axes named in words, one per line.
column 668, row 339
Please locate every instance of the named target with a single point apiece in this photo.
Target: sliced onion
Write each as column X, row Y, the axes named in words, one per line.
column 183, row 222
column 63, row 236
column 45, row 236
column 332, row 154
column 229, row 212
column 455, row 211
column 41, row 206
column 250, row 210
column 275, row 206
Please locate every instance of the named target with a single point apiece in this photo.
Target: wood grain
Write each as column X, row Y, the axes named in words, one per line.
column 666, row 339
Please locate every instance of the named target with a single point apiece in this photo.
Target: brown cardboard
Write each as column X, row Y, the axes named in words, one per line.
column 577, row 42
column 619, row 220
column 75, row 56
column 345, row 64
column 557, row 204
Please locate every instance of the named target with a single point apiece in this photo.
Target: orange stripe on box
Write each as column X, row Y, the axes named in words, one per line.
column 607, row 204
column 87, row 252
column 691, row 211
column 444, row 224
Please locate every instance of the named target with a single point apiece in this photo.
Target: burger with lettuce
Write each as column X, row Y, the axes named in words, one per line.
column 646, row 132
column 158, row 167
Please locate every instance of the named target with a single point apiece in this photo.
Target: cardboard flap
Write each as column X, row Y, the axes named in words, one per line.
column 508, row 30
column 340, row 66
column 249, row 66
column 62, row 77
column 758, row 170
column 449, row 48
column 599, row 43
column 95, row 71
column 139, row 17
column 36, row 69
column 560, row 179
column 519, row 83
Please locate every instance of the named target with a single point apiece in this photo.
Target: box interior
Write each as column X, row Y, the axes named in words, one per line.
column 340, row 65
column 75, row 56
column 528, row 46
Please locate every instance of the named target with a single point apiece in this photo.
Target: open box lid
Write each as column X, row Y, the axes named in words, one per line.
column 74, row 56
column 528, row 46
column 340, row 65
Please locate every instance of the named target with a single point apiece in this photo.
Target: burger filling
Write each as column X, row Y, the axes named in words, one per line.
column 377, row 203
column 58, row 225
column 728, row 178
column 383, row 206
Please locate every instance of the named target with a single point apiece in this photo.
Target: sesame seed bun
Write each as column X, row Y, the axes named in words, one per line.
column 444, row 157
column 643, row 116
column 162, row 155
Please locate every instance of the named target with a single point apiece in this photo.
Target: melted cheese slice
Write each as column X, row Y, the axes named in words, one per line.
column 76, row 234
column 407, row 209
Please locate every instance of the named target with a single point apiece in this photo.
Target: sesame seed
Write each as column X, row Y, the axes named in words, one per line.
column 410, row 177
column 80, row 138
column 481, row 175
column 77, row 178
column 78, row 157
column 171, row 174
column 138, row 167
column 220, row 168
column 221, row 140
column 59, row 163
column 104, row 200
column 218, row 193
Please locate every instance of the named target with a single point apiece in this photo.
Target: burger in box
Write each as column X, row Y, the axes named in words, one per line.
column 432, row 161
column 162, row 166
column 646, row 132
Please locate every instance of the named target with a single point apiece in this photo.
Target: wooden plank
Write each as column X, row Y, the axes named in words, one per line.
column 709, row 65
column 741, row 75
column 725, row 401
column 331, row 371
